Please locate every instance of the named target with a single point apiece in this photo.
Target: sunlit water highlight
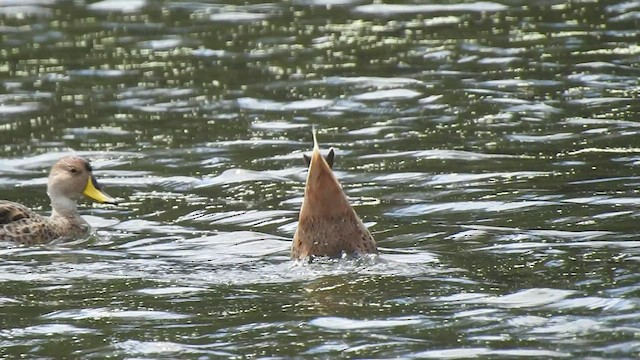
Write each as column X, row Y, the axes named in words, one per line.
column 491, row 147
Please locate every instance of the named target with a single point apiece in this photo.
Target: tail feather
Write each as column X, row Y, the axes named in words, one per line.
column 327, row 224
column 315, row 138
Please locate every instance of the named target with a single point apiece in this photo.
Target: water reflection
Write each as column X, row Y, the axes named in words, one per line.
column 489, row 146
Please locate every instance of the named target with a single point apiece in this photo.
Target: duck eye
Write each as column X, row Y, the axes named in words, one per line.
column 74, row 170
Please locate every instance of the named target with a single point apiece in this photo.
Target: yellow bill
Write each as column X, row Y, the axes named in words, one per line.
column 92, row 191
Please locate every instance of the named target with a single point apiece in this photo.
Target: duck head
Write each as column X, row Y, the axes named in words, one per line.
column 69, row 179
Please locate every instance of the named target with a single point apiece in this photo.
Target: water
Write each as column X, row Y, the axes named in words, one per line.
column 491, row 147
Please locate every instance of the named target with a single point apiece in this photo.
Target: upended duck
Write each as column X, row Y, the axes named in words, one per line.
column 328, row 225
column 69, row 179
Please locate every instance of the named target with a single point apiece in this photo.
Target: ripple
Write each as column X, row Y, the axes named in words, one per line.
column 126, row 6
column 100, row 72
column 566, row 327
column 150, row 347
column 338, row 323
column 142, row 92
column 409, row 258
column 325, row 2
column 499, row 61
column 401, row 177
column 44, row 330
column 233, row 176
column 601, row 122
column 525, row 107
column 268, row 105
column 603, row 80
column 541, row 138
column 445, row 179
column 503, row 52
column 149, row 226
column 374, row 130
column 466, row 206
column 20, row 9
column 523, row 247
column 250, row 218
column 439, row 155
column 630, row 16
column 238, row 17
column 526, row 298
column 369, row 81
column 107, row 130
column 277, row 125
column 466, row 353
column 170, row 291
column 623, row 6
column 601, row 101
column 144, row 180
column 210, row 53
column 35, row 163
column 252, row 143
column 223, row 248
column 387, row 95
column 102, row 313
column 162, row 44
column 25, row 107
column 592, row 303
column 603, row 65
column 392, row 9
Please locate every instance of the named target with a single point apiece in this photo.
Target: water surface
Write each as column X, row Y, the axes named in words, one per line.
column 491, row 148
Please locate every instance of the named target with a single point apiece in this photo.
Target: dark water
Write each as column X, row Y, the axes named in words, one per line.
column 491, row 147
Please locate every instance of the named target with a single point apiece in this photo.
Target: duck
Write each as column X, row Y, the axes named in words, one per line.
column 70, row 178
column 328, row 226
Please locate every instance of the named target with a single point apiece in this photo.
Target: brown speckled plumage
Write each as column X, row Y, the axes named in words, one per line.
column 22, row 225
column 70, row 178
column 328, row 225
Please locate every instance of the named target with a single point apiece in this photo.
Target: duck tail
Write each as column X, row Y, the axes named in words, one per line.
column 315, row 138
